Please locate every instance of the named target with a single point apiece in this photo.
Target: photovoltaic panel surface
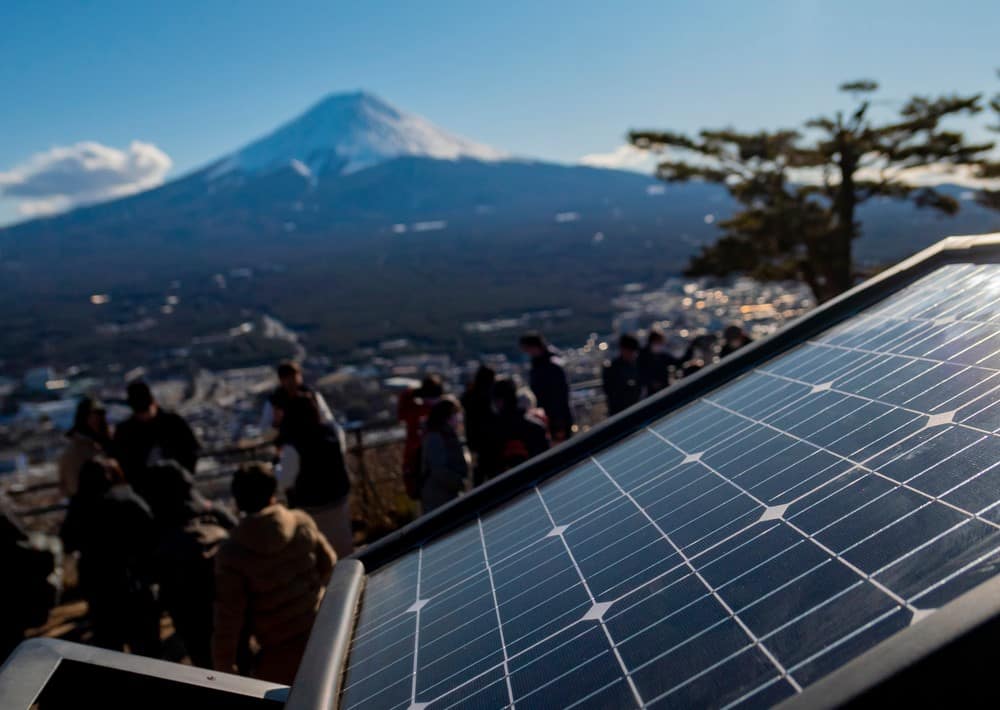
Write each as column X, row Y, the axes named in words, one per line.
column 732, row 552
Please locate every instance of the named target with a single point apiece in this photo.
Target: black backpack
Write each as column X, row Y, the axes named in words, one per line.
column 322, row 475
column 34, row 593
column 186, row 558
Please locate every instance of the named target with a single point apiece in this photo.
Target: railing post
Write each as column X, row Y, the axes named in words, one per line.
column 358, row 450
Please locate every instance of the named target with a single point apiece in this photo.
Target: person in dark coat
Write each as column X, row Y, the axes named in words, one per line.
column 313, row 471
column 444, row 461
column 656, row 365
column 152, row 434
column 477, row 402
column 734, row 338
column 548, row 382
column 26, row 596
column 621, row 377
column 112, row 528
column 190, row 530
column 518, row 436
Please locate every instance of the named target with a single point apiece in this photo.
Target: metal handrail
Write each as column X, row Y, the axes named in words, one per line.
column 356, row 432
column 257, row 449
column 242, row 451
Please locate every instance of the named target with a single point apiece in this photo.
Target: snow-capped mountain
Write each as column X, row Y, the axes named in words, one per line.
column 345, row 133
column 357, row 223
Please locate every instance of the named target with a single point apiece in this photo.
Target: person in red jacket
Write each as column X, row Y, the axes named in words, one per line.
column 413, row 409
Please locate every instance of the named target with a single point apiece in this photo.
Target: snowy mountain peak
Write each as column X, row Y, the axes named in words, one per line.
column 345, row 133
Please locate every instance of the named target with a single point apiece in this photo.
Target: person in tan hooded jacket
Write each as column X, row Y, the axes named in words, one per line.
column 271, row 574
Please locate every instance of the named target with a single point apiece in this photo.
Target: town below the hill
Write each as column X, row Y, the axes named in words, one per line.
column 224, row 407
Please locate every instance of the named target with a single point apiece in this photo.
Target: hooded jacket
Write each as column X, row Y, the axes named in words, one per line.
column 271, row 572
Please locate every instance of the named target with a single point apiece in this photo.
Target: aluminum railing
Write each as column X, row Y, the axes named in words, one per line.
column 362, row 437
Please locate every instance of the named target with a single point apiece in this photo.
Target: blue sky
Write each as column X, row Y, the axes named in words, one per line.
column 555, row 80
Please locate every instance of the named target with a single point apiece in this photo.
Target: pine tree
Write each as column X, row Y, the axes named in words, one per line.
column 991, row 170
column 799, row 190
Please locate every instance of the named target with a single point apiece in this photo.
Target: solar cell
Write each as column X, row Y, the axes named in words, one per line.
column 732, row 552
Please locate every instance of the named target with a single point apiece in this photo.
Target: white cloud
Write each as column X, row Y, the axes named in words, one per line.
column 67, row 176
column 624, row 157
column 41, row 208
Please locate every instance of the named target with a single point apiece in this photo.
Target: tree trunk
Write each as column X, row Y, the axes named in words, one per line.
column 842, row 266
column 808, row 274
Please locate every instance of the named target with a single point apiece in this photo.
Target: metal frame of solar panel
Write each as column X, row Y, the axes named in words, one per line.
column 49, row 674
column 687, row 561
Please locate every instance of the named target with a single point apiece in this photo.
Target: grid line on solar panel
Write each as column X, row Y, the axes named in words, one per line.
column 829, row 387
column 756, row 642
column 965, row 568
column 861, row 465
column 830, row 552
column 850, row 444
column 416, row 625
column 366, row 698
column 496, row 607
column 525, row 572
column 593, row 600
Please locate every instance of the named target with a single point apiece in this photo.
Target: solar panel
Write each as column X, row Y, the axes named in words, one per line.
column 732, row 552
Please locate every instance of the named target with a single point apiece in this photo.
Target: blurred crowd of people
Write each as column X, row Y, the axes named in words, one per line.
column 638, row 371
column 242, row 591
column 506, row 424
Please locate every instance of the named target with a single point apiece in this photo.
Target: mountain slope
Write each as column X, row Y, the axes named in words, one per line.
column 355, row 223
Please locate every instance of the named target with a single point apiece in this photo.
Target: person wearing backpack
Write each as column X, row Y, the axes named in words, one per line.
column 519, row 437
column 444, row 462
column 313, row 472
column 190, row 530
column 291, row 384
